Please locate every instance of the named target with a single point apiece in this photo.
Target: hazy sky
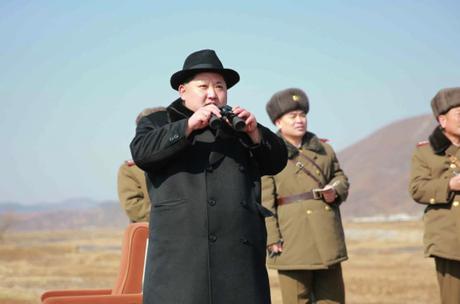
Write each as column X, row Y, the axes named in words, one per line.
column 74, row 74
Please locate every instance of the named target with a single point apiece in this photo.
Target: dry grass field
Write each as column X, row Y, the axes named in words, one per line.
column 386, row 264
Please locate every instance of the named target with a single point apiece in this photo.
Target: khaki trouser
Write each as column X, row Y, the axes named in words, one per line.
column 312, row 286
column 448, row 272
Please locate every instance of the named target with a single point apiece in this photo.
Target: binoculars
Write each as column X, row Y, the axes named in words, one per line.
column 226, row 111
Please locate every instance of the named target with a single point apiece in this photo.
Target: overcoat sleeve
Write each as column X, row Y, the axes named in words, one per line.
column 269, row 201
column 157, row 140
column 339, row 179
column 271, row 153
column 131, row 195
column 424, row 187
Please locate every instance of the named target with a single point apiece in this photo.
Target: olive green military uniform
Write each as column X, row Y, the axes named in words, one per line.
column 434, row 163
column 132, row 192
column 310, row 229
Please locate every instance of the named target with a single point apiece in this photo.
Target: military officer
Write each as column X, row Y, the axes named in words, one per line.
column 305, row 241
column 132, row 192
column 435, row 182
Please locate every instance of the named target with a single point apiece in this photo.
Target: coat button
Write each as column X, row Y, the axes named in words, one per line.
column 318, row 172
column 327, row 208
column 212, row 202
column 456, row 203
column 209, row 169
column 432, row 201
column 242, row 168
column 244, row 203
column 453, row 166
column 212, row 238
column 309, row 211
column 244, row 241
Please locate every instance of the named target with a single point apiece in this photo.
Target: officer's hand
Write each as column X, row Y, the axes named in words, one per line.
column 329, row 194
column 454, row 183
column 275, row 248
column 200, row 119
column 251, row 123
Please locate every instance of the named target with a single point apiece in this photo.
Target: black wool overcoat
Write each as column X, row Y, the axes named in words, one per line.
column 207, row 231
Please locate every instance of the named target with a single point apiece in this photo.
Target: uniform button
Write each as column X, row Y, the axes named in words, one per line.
column 212, row 238
column 432, row 201
column 209, row 169
column 242, row 168
column 309, row 211
column 453, row 166
column 317, row 172
column 212, row 202
column 456, row 203
column 327, row 208
column 244, row 203
column 244, row 241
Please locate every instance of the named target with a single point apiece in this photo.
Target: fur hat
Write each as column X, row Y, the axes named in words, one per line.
column 445, row 100
column 286, row 101
column 200, row 62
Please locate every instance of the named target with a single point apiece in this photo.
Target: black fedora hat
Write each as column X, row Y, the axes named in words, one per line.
column 203, row 61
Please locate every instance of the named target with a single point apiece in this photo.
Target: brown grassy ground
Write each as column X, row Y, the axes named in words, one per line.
column 386, row 264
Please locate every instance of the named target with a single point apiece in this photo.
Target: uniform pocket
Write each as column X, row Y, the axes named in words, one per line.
column 167, row 204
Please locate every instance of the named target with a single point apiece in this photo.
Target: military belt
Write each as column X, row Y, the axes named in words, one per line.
column 314, row 194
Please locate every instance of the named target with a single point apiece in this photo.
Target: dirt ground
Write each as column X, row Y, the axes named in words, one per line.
column 386, row 264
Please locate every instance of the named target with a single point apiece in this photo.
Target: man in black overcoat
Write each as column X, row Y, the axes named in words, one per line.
column 207, row 230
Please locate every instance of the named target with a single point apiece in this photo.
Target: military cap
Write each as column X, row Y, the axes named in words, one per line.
column 445, row 100
column 285, row 101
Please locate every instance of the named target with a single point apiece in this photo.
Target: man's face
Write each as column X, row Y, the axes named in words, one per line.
column 204, row 89
column 292, row 124
column 450, row 122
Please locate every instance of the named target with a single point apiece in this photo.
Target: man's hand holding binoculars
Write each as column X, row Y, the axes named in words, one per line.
column 237, row 117
column 251, row 123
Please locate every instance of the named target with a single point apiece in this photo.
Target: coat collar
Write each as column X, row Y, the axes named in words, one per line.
column 309, row 142
column 438, row 141
column 177, row 110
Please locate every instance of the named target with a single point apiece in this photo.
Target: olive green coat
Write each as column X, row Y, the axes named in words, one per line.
column 433, row 165
column 132, row 192
column 311, row 230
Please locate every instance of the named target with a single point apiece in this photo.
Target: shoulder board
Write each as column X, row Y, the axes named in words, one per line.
column 324, row 140
column 422, row 143
column 129, row 163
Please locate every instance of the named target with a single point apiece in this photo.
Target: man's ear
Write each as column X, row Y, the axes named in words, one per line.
column 278, row 123
column 181, row 89
column 442, row 119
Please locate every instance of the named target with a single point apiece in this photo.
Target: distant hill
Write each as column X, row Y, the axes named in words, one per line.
column 378, row 167
column 68, row 204
column 69, row 214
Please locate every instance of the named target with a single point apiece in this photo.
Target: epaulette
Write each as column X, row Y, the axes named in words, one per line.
column 422, row 143
column 324, row 140
column 129, row 163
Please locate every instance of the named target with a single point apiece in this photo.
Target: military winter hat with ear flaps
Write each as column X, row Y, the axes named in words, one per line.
column 445, row 100
column 286, row 101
